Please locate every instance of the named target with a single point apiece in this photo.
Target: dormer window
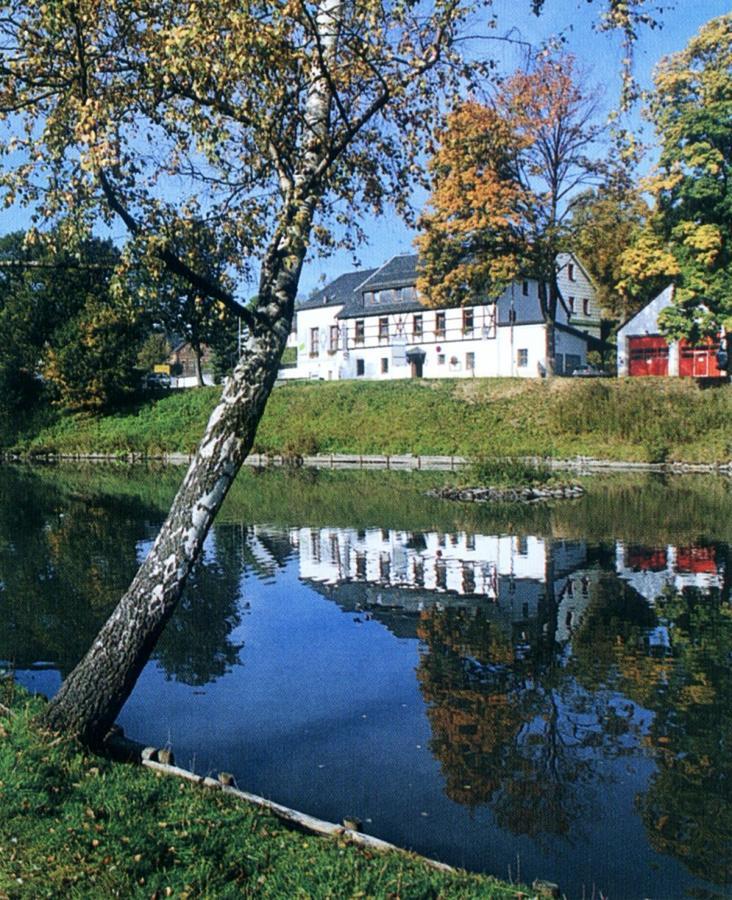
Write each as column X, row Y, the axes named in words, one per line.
column 369, row 297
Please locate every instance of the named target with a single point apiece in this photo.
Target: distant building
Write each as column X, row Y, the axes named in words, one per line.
column 372, row 324
column 182, row 362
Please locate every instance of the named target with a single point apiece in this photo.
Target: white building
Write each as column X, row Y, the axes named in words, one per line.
column 371, row 324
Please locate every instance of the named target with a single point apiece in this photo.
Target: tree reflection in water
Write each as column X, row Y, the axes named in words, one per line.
column 513, row 730
column 65, row 556
column 530, row 733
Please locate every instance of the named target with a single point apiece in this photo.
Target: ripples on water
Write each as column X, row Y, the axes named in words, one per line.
column 540, row 693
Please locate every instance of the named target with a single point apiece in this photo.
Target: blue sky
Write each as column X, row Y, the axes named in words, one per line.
column 599, row 55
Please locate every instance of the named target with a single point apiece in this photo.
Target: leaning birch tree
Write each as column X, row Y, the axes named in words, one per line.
column 268, row 122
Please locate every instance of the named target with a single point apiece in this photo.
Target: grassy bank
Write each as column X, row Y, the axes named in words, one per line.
column 625, row 419
column 74, row 825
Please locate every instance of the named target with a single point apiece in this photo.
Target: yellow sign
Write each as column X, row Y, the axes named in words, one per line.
column 163, row 368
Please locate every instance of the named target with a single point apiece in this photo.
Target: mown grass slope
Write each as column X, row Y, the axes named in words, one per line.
column 631, row 419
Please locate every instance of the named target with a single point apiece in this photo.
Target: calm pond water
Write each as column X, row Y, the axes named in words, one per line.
column 531, row 692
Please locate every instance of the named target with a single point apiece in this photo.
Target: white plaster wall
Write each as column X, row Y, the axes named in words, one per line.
column 325, row 365
column 493, row 355
column 495, row 347
column 331, row 555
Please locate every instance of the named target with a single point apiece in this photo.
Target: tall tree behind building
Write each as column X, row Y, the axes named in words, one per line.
column 503, row 182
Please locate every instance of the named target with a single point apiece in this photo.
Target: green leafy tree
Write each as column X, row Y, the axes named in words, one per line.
column 155, row 350
column 691, row 108
column 185, row 310
column 605, row 223
column 92, row 362
column 68, row 335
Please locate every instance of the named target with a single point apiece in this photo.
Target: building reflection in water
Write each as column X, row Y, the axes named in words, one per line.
column 413, row 571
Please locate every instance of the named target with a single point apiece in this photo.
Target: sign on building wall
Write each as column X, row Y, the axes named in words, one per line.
column 399, row 349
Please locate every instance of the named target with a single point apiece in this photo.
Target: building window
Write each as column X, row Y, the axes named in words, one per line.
column 470, row 362
column 384, row 329
column 369, row 298
column 314, row 341
column 525, row 288
column 572, row 361
column 360, row 367
column 360, row 331
column 570, row 271
column 468, row 321
column 570, row 302
column 440, row 359
column 523, row 359
column 585, row 307
column 417, row 326
column 333, row 346
column 440, row 324
column 384, row 365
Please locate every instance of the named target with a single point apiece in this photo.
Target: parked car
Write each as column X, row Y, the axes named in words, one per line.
column 588, row 371
column 157, row 381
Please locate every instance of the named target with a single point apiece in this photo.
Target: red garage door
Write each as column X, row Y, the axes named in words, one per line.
column 648, row 355
column 699, row 361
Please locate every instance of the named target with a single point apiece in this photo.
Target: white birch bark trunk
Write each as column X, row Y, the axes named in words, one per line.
column 92, row 695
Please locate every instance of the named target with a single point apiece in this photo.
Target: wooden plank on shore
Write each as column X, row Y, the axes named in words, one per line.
column 292, row 816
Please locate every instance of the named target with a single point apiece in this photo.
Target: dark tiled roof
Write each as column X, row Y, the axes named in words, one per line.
column 337, row 292
column 399, row 271
column 595, row 342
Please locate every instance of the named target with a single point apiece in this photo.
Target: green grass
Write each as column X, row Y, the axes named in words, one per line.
column 623, row 419
column 75, row 825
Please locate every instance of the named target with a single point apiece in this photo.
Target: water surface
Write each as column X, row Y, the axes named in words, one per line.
column 531, row 692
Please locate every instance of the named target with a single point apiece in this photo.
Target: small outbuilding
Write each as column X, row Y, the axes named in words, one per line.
column 643, row 350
